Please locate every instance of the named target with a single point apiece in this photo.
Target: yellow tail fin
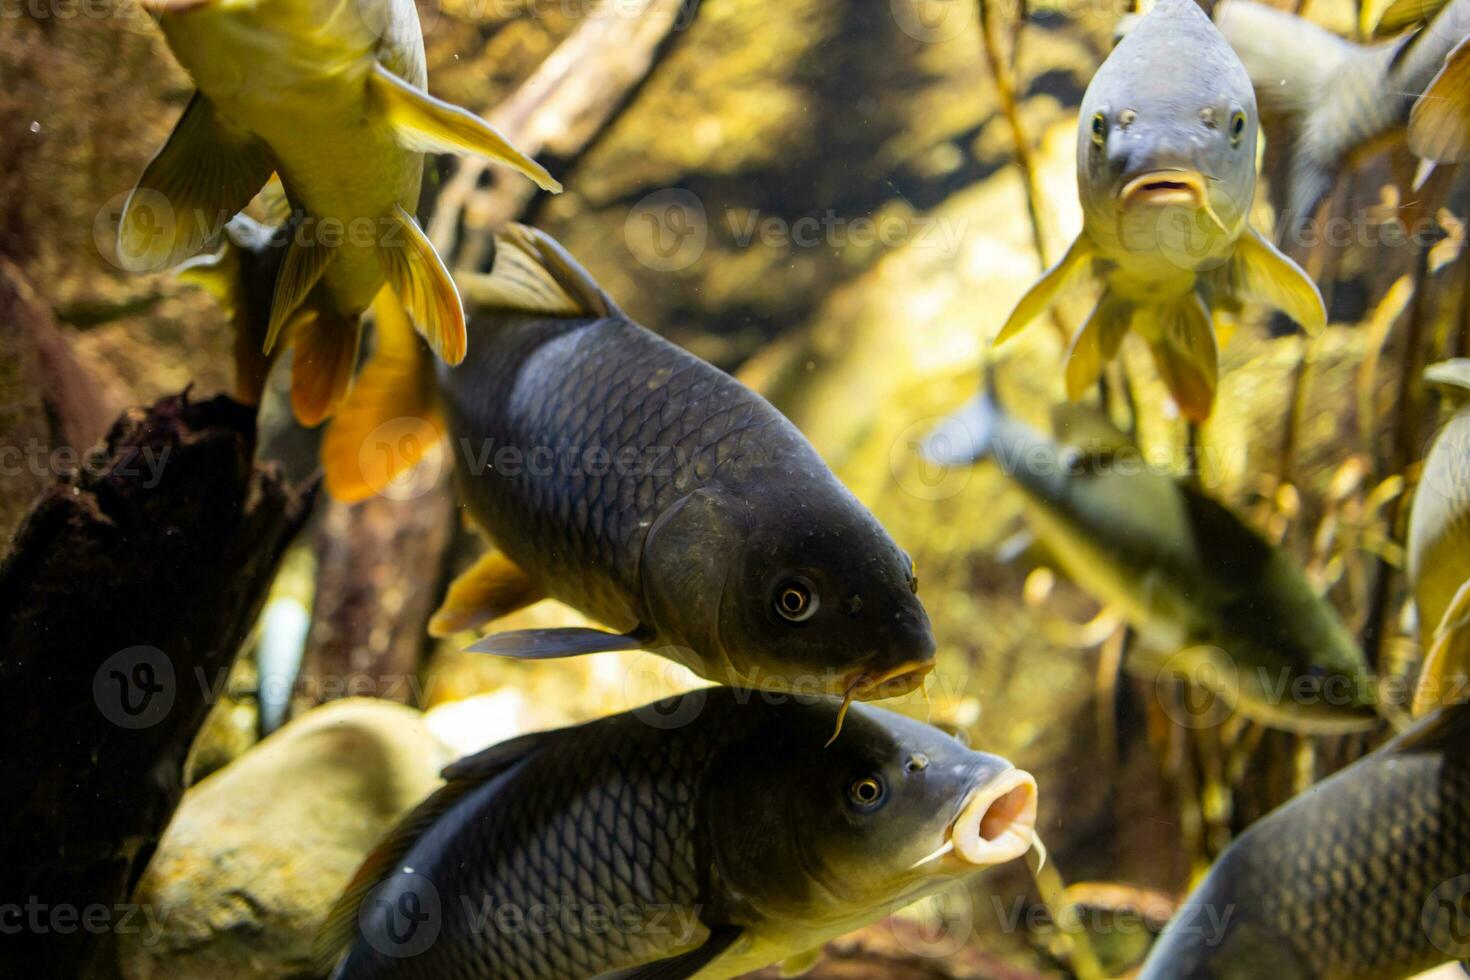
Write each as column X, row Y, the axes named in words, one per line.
column 389, row 420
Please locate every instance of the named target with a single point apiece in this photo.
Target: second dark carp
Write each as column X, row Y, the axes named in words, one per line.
column 642, row 486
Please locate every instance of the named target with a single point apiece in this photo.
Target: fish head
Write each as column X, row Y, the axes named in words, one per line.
column 793, row 593
column 859, row 825
column 1166, row 146
column 822, row 600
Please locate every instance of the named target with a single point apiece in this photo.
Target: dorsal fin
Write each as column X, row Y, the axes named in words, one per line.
column 461, row 778
column 1447, row 730
column 532, row 273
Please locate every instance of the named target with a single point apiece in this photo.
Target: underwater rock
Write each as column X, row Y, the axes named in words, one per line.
column 258, row 852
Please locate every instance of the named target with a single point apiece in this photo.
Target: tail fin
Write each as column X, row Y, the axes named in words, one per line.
column 968, row 435
column 389, row 420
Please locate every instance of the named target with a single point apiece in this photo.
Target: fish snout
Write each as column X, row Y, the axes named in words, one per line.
column 998, row 821
column 1165, row 188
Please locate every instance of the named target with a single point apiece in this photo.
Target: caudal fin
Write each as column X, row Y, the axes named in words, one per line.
column 968, row 435
column 389, row 420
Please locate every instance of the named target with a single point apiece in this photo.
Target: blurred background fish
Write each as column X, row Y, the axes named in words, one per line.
column 1439, row 547
column 1208, row 596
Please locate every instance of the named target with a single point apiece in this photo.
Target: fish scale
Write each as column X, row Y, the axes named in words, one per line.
column 604, row 822
column 1335, row 884
column 613, row 386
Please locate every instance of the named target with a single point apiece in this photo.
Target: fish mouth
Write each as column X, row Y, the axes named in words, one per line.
column 893, row 683
column 1164, row 188
column 998, row 821
column 898, row 681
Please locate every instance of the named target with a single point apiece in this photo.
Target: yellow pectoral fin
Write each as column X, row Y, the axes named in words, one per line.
column 1259, row 271
column 1096, row 343
column 426, row 124
column 493, row 587
column 323, row 356
column 1439, row 126
column 801, row 963
column 424, row 287
column 1453, row 373
column 1054, row 283
column 1446, row 673
column 1399, row 14
column 205, row 173
column 388, row 422
column 1182, row 340
column 306, row 259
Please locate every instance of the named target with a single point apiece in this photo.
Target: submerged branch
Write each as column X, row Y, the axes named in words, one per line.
column 127, row 594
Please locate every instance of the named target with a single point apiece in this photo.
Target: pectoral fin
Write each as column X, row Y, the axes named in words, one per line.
column 426, row 124
column 1182, row 340
column 1259, row 271
column 205, row 173
column 493, row 587
column 1447, row 665
column 323, row 356
column 1060, row 279
column 424, row 287
column 1096, row 343
column 684, row 965
column 795, row 966
column 549, row 644
column 1439, row 126
column 301, row 270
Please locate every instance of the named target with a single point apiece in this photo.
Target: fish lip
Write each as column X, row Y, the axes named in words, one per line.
column 896, row 682
column 997, row 822
column 1162, row 188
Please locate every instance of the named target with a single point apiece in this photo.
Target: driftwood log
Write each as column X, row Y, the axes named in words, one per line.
column 123, row 602
column 382, row 562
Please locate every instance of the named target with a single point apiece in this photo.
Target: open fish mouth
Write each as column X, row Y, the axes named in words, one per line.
column 1162, row 188
column 998, row 821
column 997, row 824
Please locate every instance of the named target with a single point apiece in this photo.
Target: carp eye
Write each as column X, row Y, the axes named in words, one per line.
column 795, row 600
column 1237, row 127
column 1099, row 129
column 866, row 791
